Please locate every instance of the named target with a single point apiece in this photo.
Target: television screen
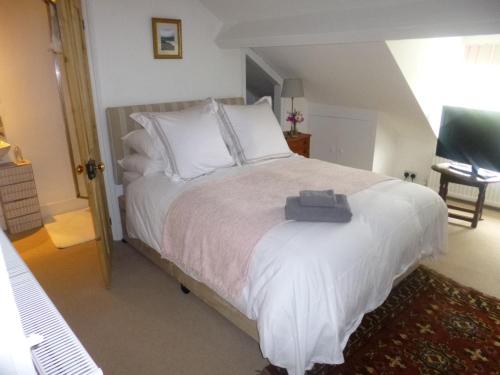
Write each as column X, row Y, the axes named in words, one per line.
column 471, row 137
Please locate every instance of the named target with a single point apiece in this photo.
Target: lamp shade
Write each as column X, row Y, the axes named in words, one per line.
column 292, row 88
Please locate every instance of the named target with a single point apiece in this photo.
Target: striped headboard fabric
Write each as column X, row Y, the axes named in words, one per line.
column 120, row 123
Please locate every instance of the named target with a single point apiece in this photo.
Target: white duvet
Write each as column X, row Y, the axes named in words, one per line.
column 311, row 283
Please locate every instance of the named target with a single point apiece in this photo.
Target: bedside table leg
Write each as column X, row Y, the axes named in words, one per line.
column 443, row 187
column 479, row 206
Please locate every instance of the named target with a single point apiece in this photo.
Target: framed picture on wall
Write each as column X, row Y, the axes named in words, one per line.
column 167, row 38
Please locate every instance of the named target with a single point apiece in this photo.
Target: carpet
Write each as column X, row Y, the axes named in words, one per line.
column 71, row 228
column 428, row 325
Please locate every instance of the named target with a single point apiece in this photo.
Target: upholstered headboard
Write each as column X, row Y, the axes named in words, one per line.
column 120, row 123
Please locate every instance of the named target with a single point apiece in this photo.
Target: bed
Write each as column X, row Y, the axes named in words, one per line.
column 309, row 284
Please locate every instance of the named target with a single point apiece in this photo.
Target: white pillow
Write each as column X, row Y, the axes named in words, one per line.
column 142, row 143
column 255, row 131
column 191, row 139
column 142, row 164
column 146, row 120
column 265, row 99
column 129, row 177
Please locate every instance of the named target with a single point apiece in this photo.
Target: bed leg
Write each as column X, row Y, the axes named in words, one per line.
column 184, row 289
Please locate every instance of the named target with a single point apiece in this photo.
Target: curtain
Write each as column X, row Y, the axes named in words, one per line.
column 488, row 53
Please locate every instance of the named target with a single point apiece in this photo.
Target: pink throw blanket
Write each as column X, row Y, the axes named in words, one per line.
column 211, row 230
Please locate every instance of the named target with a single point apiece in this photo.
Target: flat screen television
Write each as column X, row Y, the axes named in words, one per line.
column 471, row 137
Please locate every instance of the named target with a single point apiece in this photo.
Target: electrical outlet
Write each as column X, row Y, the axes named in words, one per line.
column 410, row 175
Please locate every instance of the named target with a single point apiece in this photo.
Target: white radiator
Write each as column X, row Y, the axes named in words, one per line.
column 60, row 351
column 467, row 193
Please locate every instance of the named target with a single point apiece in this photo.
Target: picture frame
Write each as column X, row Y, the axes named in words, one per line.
column 167, row 38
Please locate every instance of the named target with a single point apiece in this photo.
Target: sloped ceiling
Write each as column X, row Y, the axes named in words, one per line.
column 462, row 72
column 338, row 46
column 362, row 75
column 260, row 23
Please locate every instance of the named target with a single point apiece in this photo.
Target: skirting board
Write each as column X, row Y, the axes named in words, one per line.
column 55, row 208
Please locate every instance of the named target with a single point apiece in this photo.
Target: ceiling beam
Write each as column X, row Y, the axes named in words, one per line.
column 419, row 19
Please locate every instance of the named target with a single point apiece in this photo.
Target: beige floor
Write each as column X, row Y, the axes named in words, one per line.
column 473, row 257
column 145, row 325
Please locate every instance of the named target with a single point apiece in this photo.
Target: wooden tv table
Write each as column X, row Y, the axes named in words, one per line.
column 448, row 175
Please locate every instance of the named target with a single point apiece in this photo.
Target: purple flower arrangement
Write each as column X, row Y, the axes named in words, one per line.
column 295, row 117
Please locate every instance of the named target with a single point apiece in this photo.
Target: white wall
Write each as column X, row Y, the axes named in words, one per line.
column 277, row 101
column 29, row 102
column 431, row 68
column 368, row 139
column 397, row 151
column 384, row 158
column 458, row 71
column 125, row 72
column 355, row 75
column 414, row 155
column 365, row 78
column 250, row 97
column 455, row 71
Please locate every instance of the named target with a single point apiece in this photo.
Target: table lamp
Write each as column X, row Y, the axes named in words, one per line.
column 292, row 88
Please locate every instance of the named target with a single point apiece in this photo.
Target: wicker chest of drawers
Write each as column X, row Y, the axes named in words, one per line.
column 19, row 198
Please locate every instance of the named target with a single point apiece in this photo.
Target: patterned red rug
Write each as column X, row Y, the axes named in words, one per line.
column 428, row 325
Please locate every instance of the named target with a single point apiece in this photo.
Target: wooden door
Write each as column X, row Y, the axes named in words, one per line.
column 77, row 78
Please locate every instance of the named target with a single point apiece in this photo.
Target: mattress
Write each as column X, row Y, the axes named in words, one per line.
column 311, row 283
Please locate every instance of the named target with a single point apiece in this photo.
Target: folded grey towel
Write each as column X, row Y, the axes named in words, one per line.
column 317, row 198
column 341, row 213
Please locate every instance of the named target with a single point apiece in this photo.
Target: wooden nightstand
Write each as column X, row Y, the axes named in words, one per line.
column 299, row 144
column 18, row 197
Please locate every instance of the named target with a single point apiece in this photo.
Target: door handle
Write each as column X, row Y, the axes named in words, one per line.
column 79, row 169
column 91, row 167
